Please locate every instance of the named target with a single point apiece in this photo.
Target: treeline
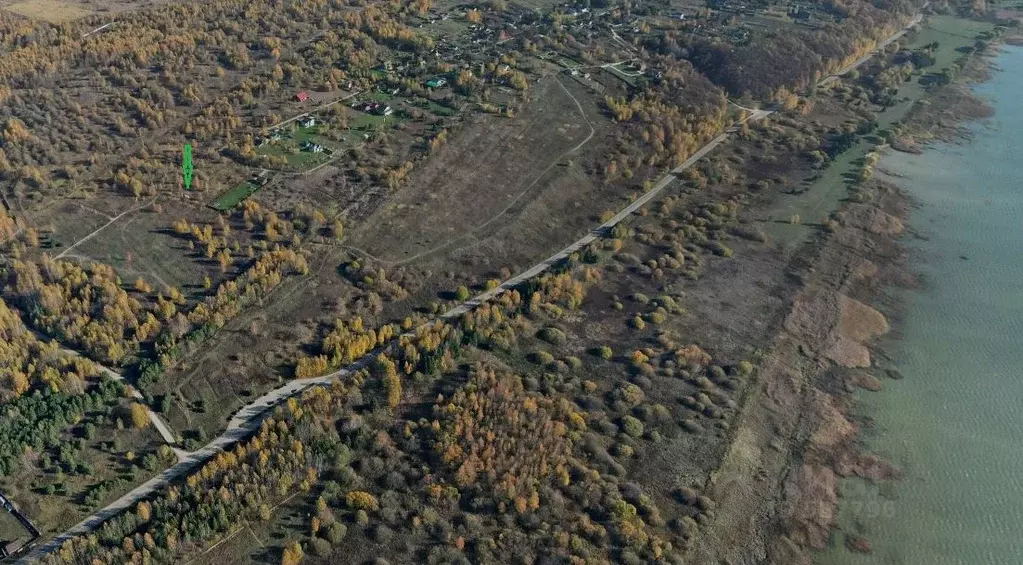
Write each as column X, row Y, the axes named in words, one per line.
column 774, row 63
column 8, row 227
column 343, row 344
column 265, row 273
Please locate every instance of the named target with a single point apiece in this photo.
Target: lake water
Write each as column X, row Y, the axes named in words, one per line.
column 955, row 423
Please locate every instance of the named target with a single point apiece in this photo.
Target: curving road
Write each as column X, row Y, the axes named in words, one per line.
column 249, row 417
column 162, row 428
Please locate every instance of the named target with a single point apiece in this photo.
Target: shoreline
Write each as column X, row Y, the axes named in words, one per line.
column 948, row 111
column 960, row 117
column 799, row 432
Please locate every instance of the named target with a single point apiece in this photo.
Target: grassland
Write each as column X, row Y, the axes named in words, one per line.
column 138, row 245
column 365, row 122
column 628, row 76
column 509, row 157
column 433, row 107
column 53, row 11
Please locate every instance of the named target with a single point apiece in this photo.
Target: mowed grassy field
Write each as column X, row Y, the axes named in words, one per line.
column 233, row 197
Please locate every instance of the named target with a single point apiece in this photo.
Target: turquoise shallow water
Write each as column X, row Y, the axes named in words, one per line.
column 955, row 423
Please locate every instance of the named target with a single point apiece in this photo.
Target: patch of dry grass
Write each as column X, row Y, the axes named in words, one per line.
column 53, row 11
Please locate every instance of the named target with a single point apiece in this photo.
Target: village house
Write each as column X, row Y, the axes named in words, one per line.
column 376, row 108
column 311, row 147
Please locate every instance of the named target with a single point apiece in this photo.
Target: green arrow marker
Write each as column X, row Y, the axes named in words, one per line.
column 186, row 166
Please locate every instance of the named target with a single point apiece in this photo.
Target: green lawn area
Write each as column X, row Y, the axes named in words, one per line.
column 295, row 159
column 568, row 63
column 290, row 146
column 378, row 96
column 434, row 108
column 446, row 28
column 614, row 70
column 363, row 121
column 11, row 529
column 232, row 197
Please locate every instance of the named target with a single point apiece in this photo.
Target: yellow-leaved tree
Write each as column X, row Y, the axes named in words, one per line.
column 139, row 415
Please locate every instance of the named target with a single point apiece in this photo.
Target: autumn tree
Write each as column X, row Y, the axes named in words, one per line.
column 293, row 554
column 139, row 415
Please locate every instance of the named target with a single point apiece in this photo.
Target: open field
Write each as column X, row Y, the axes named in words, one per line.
column 493, row 166
column 130, row 235
column 53, row 11
column 142, row 245
column 139, row 246
column 366, row 122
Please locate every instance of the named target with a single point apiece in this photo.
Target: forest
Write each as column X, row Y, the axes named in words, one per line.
column 774, row 63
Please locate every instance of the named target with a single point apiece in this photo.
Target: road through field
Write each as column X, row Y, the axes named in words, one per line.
column 249, row 417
